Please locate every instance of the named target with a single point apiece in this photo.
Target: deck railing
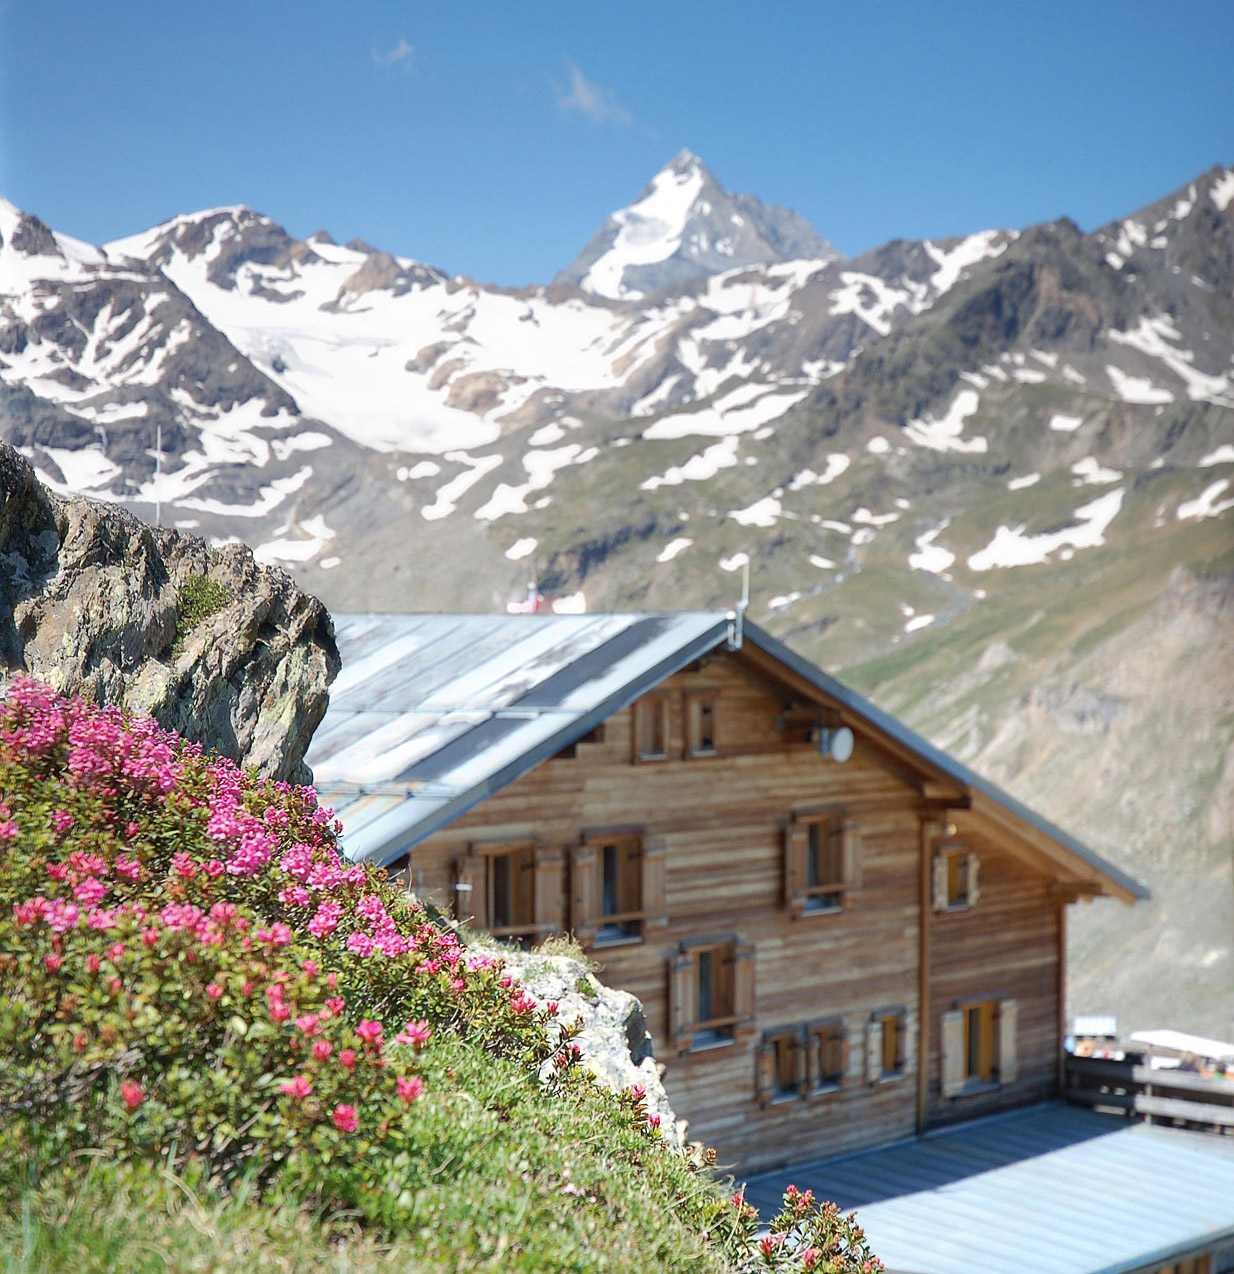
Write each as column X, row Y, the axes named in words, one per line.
column 1167, row 1095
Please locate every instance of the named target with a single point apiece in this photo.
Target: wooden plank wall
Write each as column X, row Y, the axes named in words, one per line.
column 722, row 821
column 1007, row 947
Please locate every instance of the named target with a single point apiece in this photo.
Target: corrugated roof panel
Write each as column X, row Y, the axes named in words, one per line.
column 1053, row 1189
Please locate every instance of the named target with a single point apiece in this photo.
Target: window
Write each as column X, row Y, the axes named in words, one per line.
column 796, row 1061
column 827, row 1052
column 822, row 861
column 978, row 1046
column 511, row 889
column 700, row 724
column 711, row 992
column 956, row 878
column 651, row 728
column 886, row 1045
column 781, row 1062
column 617, row 887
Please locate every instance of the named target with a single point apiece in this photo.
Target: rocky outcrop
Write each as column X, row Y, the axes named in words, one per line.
column 615, row 1042
column 223, row 650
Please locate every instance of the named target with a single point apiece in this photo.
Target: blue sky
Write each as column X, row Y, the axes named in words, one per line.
column 493, row 138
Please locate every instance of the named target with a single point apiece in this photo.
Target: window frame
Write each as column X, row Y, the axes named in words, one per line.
column 997, row 1052
column 816, row 1083
column 536, row 895
column 693, row 1031
column 897, row 1014
column 956, row 884
column 800, row 833
column 654, row 703
column 699, row 701
column 642, row 876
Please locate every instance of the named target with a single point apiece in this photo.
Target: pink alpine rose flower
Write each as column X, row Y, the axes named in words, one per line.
column 409, row 1088
column 344, row 1117
column 297, row 1088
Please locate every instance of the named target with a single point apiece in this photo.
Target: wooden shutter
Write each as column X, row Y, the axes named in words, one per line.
column 850, row 854
column 796, row 853
column 654, row 906
column 874, row 1051
column 801, row 1060
column 1008, row 1062
column 584, row 892
column 548, row 888
column 940, row 882
column 471, row 890
column 682, row 999
column 743, row 987
column 765, row 1073
column 953, row 1059
column 972, row 879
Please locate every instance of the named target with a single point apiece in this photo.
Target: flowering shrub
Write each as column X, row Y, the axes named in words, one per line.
column 194, row 977
column 193, row 971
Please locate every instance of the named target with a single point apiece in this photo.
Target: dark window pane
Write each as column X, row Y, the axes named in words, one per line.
column 612, row 880
column 706, row 986
column 502, row 912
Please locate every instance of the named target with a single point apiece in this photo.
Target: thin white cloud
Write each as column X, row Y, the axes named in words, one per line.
column 598, row 104
column 400, row 55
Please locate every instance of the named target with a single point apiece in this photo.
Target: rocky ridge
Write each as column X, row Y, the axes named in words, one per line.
column 227, row 652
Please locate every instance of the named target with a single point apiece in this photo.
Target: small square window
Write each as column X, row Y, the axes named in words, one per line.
column 956, row 878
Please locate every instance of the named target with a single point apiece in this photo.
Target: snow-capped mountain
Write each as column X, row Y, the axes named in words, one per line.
column 685, row 226
column 987, row 476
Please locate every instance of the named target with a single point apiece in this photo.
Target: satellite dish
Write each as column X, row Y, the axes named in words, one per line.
column 836, row 744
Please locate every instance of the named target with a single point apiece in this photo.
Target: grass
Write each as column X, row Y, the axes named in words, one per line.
column 503, row 1176
column 200, row 597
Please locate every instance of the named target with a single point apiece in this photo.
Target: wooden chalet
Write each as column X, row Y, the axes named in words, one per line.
column 841, row 935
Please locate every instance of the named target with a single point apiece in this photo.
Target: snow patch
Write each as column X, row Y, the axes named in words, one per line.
column 698, row 468
column 764, row 512
column 1206, row 505
column 1136, row 389
column 521, row 548
column 837, row 463
column 1222, row 191
column 1090, row 472
column 1065, row 424
column 1011, row 547
column 1028, row 480
column 1223, row 455
column 673, row 548
column 946, row 434
column 930, row 556
column 918, row 622
column 952, row 262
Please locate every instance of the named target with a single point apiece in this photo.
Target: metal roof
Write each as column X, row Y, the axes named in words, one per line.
column 449, row 708
column 1054, row 1189
column 439, row 711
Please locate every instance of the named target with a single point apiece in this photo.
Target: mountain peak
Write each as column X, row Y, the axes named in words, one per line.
column 683, row 226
